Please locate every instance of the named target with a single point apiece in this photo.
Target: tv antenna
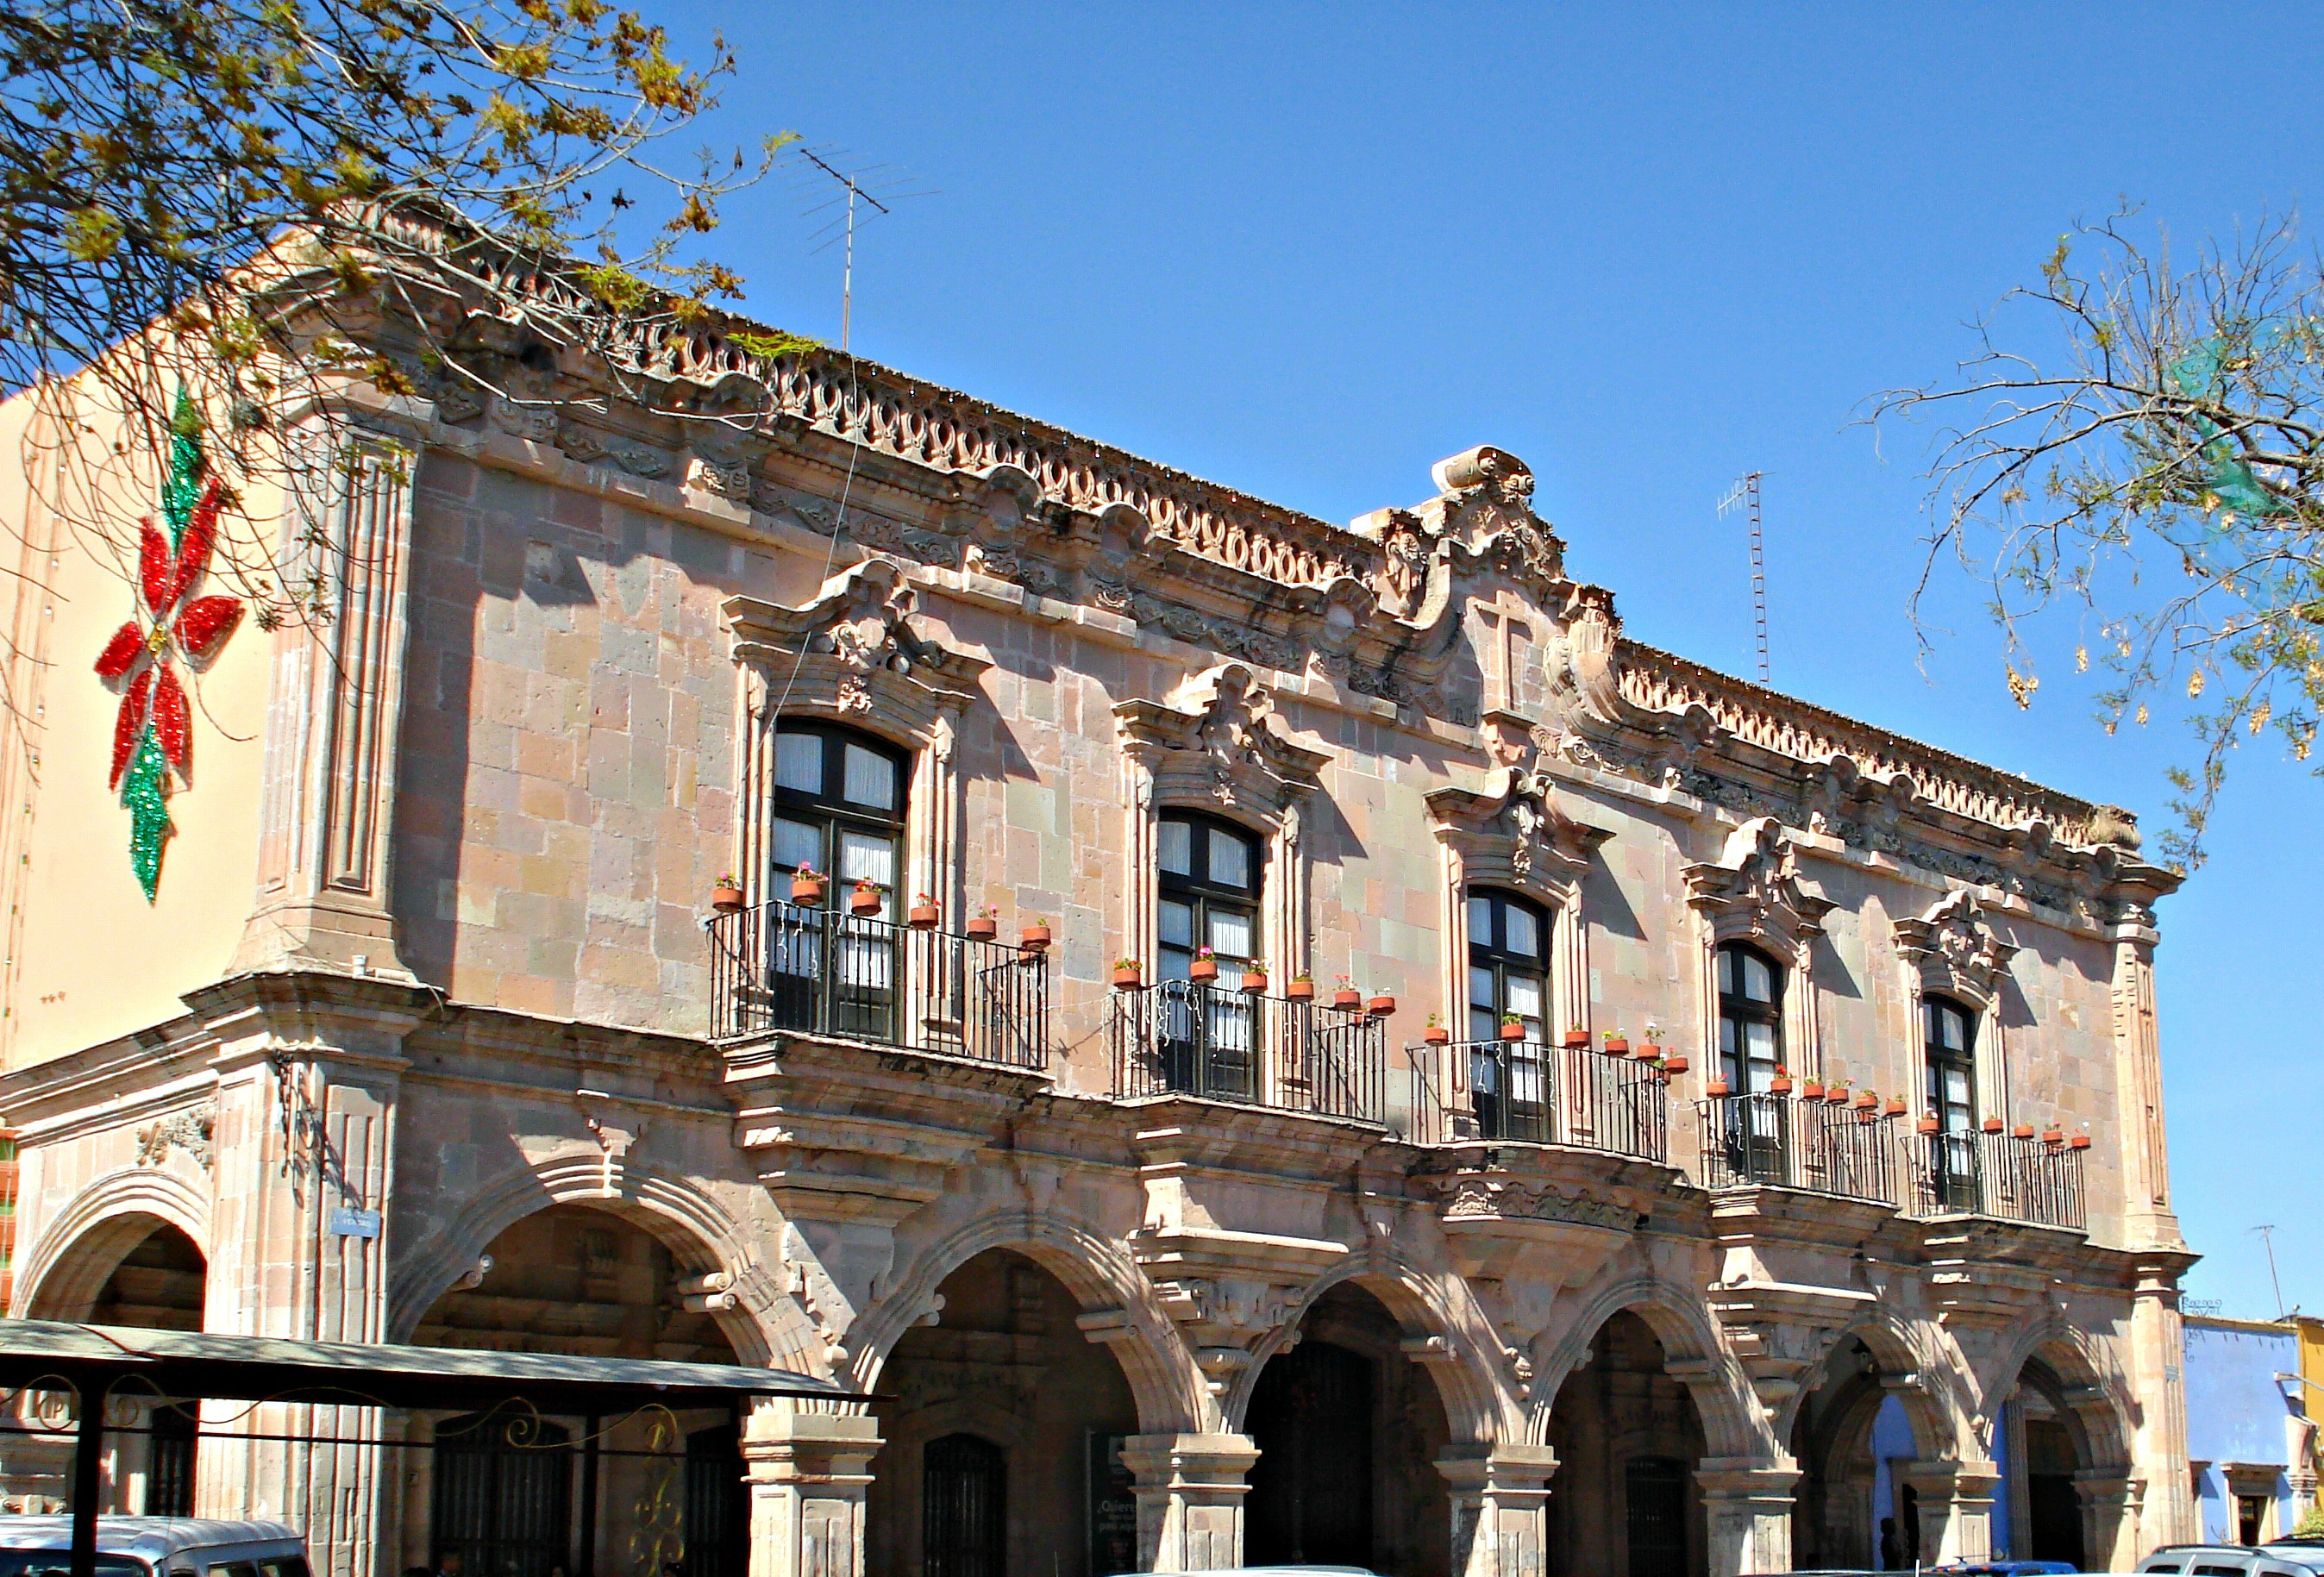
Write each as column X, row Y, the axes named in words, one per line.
column 1746, row 494
column 874, row 186
column 2267, row 1236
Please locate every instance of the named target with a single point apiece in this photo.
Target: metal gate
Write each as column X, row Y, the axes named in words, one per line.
column 717, row 1513
column 1311, row 1490
column 1654, row 1500
column 505, row 1508
column 170, row 1469
column 963, row 1508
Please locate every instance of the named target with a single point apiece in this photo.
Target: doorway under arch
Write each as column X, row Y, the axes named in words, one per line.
column 591, row 1496
column 1002, row 1428
column 1855, row 1437
column 1348, row 1431
column 141, row 1271
column 1628, row 1436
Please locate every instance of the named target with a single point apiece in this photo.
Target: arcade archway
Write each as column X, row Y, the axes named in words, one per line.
column 520, row 1497
column 1348, row 1431
column 1629, row 1438
column 1856, row 1436
column 1002, row 1427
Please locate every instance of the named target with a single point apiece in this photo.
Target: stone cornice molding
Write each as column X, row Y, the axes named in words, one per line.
column 1217, row 740
column 1752, row 892
column 852, row 650
column 1951, row 951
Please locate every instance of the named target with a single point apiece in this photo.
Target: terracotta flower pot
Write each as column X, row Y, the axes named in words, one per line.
column 1617, row 1045
column 1835, row 1096
column 1126, row 980
column 1347, row 1001
column 982, row 928
column 1993, row 1125
column 1577, row 1040
column 1380, row 1006
column 1716, row 1087
column 1033, row 939
column 868, row 903
column 1928, row 1124
column 925, row 916
column 1253, row 981
column 807, row 891
column 1513, row 1032
column 1895, row 1106
column 1437, row 1034
column 1865, row 1100
column 2024, row 1131
column 2053, row 1137
column 726, row 900
column 1813, row 1090
column 2081, row 1141
column 1780, row 1085
column 1675, row 1064
column 1300, row 991
column 1202, row 969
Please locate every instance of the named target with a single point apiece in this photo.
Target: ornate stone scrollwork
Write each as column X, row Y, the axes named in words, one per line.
column 185, row 1130
column 1752, row 892
column 1953, row 951
column 1219, row 741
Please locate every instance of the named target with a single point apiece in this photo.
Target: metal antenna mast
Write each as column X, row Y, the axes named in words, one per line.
column 847, row 271
column 1745, row 493
column 2267, row 1236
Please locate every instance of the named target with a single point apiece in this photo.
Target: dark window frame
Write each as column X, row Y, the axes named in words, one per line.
column 1738, row 1008
column 1196, row 890
column 1938, row 1057
column 832, row 811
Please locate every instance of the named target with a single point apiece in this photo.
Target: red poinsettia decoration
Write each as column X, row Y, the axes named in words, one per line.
column 197, row 630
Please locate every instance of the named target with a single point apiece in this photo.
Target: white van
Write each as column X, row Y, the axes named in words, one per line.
column 154, row 1547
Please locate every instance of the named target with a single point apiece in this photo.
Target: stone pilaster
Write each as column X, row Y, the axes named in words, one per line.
column 1499, row 1496
column 806, row 1474
column 2109, row 1507
column 333, row 721
column 2158, row 1346
column 309, row 1069
column 1746, row 1506
column 1956, row 1506
column 1190, row 1495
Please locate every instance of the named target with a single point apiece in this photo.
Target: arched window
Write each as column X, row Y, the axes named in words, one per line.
column 1948, row 1039
column 1508, row 976
column 838, row 806
column 1508, row 964
column 1750, row 1018
column 1209, row 883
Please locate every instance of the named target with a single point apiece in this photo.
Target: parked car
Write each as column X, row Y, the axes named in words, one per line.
column 154, row 1547
column 1260, row 1572
column 2006, row 1569
column 2277, row 1560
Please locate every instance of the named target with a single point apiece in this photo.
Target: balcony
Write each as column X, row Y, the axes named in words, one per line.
column 1819, row 1146
column 1190, row 1037
column 813, row 970
column 1526, row 1091
column 2007, row 1176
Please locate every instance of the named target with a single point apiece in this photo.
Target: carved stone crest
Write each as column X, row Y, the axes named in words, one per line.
column 1954, row 950
column 185, row 1130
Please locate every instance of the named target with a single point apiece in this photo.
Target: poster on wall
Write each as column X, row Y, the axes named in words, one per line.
column 1112, row 1507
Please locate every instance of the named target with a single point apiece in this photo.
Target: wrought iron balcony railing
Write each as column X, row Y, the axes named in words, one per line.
column 1528, row 1092
column 1190, row 1037
column 819, row 972
column 1818, row 1146
column 2006, row 1176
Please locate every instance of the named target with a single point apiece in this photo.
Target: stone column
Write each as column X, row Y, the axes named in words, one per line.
column 1956, row 1507
column 1499, row 1496
column 806, row 1473
column 2109, row 1507
column 309, row 1069
column 1190, row 1495
column 2158, row 1346
column 2021, row 1484
column 333, row 721
column 1747, row 1506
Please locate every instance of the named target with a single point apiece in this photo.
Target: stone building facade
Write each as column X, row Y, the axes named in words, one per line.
column 1717, row 1070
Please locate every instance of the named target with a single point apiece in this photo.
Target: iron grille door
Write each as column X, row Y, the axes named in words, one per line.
column 963, row 1508
column 169, row 1471
column 1311, row 1490
column 1655, row 1492
column 505, row 1508
column 717, row 1516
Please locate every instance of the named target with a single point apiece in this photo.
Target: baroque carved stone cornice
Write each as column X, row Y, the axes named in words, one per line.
column 1953, row 949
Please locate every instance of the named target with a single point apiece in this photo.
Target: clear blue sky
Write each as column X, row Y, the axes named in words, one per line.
column 1308, row 250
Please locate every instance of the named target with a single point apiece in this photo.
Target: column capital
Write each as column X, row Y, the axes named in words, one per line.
column 1190, row 1493
column 1500, row 1469
column 1744, row 1478
column 1211, row 1461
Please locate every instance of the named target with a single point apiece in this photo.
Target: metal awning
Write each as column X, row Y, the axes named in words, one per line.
column 93, row 1360
column 188, row 1363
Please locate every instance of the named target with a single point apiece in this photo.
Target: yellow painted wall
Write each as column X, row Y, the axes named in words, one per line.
column 87, row 958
